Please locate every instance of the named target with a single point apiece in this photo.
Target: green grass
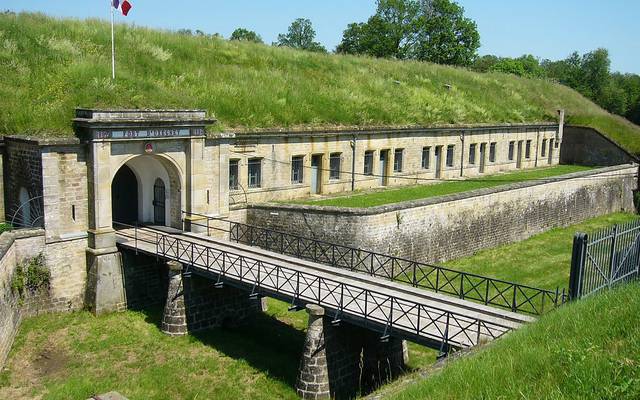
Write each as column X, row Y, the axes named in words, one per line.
column 75, row 356
column 50, row 66
column 542, row 260
column 587, row 350
column 390, row 196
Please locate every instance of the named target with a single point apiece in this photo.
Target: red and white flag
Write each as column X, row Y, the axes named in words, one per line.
column 124, row 8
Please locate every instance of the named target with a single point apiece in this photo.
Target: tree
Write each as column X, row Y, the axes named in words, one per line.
column 426, row 30
column 246, row 35
column 301, row 36
column 444, row 35
column 595, row 72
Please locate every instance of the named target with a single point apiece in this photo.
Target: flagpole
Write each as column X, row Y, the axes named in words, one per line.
column 113, row 45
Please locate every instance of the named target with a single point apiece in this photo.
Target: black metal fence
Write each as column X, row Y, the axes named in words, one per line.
column 604, row 259
column 478, row 288
column 370, row 308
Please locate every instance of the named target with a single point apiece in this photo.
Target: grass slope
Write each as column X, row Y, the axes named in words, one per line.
column 75, row 356
column 543, row 260
column 586, row 350
column 390, row 196
column 51, row 66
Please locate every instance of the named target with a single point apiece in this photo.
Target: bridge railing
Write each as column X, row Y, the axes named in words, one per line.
column 489, row 291
column 374, row 309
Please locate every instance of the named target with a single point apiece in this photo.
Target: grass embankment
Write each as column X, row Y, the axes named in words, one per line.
column 50, row 66
column 75, row 356
column 390, row 196
column 543, row 260
column 586, row 350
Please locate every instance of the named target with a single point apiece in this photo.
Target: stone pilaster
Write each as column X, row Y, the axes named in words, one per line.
column 105, row 286
column 174, row 319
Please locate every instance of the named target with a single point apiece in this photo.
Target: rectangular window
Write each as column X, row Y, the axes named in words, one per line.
column 492, row 152
column 426, row 157
column 368, row 162
column 335, row 159
column 297, row 168
column 527, row 151
column 397, row 160
column 233, row 174
column 450, row 155
column 512, row 150
column 544, row 147
column 472, row 153
column 255, row 172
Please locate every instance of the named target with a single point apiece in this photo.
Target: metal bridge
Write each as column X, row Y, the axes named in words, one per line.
column 390, row 308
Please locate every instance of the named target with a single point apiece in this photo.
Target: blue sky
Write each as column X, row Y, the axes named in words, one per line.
column 545, row 28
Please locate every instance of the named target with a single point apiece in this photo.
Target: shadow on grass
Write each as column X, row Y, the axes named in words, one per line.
column 264, row 342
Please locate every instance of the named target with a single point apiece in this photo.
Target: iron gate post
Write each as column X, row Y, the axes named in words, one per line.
column 577, row 265
column 612, row 255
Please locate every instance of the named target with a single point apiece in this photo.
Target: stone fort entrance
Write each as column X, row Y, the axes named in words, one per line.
column 144, row 168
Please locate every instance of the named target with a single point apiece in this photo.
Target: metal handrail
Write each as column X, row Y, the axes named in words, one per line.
column 367, row 307
column 491, row 291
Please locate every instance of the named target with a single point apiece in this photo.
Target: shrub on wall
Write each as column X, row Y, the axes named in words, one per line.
column 636, row 200
column 30, row 276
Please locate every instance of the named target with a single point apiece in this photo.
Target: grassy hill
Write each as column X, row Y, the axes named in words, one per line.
column 586, row 350
column 50, row 66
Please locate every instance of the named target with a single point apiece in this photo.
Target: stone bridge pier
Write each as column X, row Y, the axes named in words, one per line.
column 191, row 303
column 339, row 362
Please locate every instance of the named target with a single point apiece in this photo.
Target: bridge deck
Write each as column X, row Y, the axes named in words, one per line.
column 388, row 307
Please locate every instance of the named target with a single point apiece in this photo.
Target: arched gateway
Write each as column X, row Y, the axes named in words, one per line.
column 144, row 167
column 147, row 190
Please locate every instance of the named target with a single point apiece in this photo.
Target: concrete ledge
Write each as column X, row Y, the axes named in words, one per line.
column 8, row 238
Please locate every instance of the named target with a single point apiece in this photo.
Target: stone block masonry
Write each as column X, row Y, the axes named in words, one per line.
column 342, row 361
column 22, row 165
column 209, row 307
column 443, row 228
column 174, row 319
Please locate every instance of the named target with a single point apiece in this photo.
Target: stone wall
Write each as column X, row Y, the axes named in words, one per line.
column 448, row 227
column 16, row 248
column 208, row 307
column 145, row 280
column 22, row 168
column 587, row 146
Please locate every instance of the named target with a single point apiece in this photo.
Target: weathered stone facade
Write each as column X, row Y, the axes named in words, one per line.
column 531, row 146
column 447, row 227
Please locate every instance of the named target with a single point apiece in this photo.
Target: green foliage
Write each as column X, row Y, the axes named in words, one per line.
column 50, row 66
column 246, row 35
column 396, row 195
column 431, row 30
column 30, row 276
column 127, row 352
column 300, row 36
column 5, row 227
column 636, row 200
column 541, row 261
column 585, row 350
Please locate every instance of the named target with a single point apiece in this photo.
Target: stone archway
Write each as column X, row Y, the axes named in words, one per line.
column 150, row 172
